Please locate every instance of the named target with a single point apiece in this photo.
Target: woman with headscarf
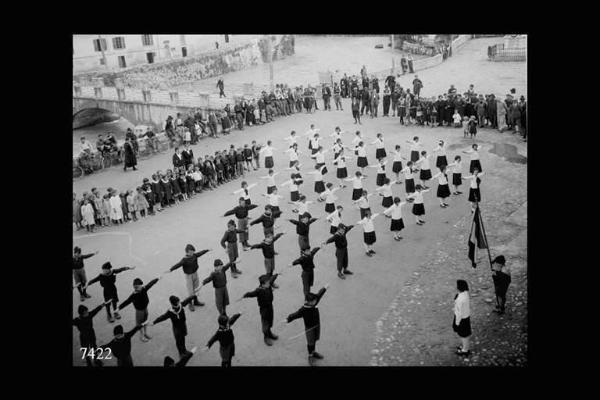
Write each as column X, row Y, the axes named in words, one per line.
column 130, row 159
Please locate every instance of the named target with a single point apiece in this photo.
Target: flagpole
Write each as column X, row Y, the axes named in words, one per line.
column 484, row 234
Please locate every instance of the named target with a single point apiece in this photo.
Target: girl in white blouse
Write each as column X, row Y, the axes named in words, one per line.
column 293, row 154
column 356, row 185
column 268, row 153
column 301, row 205
column 474, row 192
column 423, row 164
column 418, row 206
column 395, row 213
column 335, row 218
column 314, row 143
column 443, row 190
column 475, row 163
column 363, row 203
column 380, row 147
column 361, row 161
column 368, row 232
column 273, row 200
column 319, row 157
column 381, row 177
column 318, row 173
column 245, row 192
column 337, row 135
column 293, row 139
column 386, row 193
column 397, row 164
column 456, row 174
column 342, row 171
column 462, row 317
column 440, row 150
column 329, row 198
column 415, row 148
column 270, row 181
column 357, row 139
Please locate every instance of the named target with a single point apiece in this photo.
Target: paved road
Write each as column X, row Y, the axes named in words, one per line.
column 350, row 308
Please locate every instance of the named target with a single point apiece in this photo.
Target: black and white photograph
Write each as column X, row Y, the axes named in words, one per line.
column 299, row 200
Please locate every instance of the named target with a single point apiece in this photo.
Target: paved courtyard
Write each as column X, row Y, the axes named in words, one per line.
column 351, row 308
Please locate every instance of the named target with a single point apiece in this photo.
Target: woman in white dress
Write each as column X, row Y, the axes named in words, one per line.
column 116, row 208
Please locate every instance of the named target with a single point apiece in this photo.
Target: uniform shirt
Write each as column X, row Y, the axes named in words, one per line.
column 314, row 143
column 307, row 262
column 268, row 151
column 139, row 299
column 341, row 162
column 340, row 240
column 240, row 211
column 318, row 174
column 362, row 152
column 189, row 264
column 230, row 236
column 121, row 348
column 334, row 218
column 320, row 157
column 329, row 197
column 379, row 143
column 85, row 324
column 224, row 335
column 443, row 179
column 424, row 162
column 440, row 150
column 78, row 261
column 461, row 306
column 267, row 249
column 303, row 207
column 264, row 295
column 357, row 183
column 380, row 168
column 395, row 210
column 397, row 156
column 177, row 316
column 457, row 167
column 336, row 136
column 273, row 199
column 474, row 183
column 310, row 314
column 301, row 228
column 367, row 223
column 292, row 139
column 415, row 146
column 418, row 196
column 408, row 173
column 363, row 202
column 218, row 278
column 270, row 180
column 267, row 221
column 474, row 154
column 107, row 281
column 386, row 190
column 293, row 154
column 356, row 140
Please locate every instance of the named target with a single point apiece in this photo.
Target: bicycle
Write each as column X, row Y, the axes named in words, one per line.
column 77, row 170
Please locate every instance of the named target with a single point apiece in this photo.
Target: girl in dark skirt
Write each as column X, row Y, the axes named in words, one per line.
column 356, row 185
column 314, row 143
column 369, row 232
column 361, row 161
column 329, row 198
column 418, row 206
column 318, row 173
column 443, row 191
column 363, row 203
column 475, row 163
column 357, row 139
column 319, row 157
column 293, row 154
column 456, row 174
column 409, row 177
column 268, row 153
column 335, row 219
column 474, row 192
column 380, row 147
column 381, row 177
column 386, row 193
column 395, row 213
column 397, row 165
column 270, row 181
column 441, row 159
column 342, row 171
column 294, row 193
column 425, row 174
column 415, row 147
column 461, row 323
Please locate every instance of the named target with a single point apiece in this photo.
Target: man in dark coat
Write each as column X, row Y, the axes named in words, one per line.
column 417, row 85
column 178, row 160
column 386, row 101
column 130, row 159
column 221, row 86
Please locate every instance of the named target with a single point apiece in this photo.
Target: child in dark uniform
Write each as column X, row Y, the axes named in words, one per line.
column 140, row 301
column 312, row 322
column 241, row 213
column 501, row 277
column 177, row 316
column 264, row 296
column 87, row 335
column 107, row 280
column 219, row 280
column 248, row 157
column 268, row 249
column 303, row 229
column 306, row 261
column 341, row 249
column 256, row 154
column 267, row 220
column 120, row 346
column 167, row 191
column 79, row 272
column 225, row 338
column 230, row 238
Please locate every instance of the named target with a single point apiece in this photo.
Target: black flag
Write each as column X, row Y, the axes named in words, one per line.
column 478, row 236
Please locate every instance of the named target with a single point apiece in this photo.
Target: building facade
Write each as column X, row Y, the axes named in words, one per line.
column 117, row 52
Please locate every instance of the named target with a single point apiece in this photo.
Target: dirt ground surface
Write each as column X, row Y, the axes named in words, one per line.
column 367, row 319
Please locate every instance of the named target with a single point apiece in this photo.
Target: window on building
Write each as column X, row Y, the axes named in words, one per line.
column 174, row 97
column 121, row 93
column 150, row 57
column 184, row 51
column 122, row 63
column 98, row 92
column 147, row 40
column 99, row 44
column 119, row 42
column 146, row 95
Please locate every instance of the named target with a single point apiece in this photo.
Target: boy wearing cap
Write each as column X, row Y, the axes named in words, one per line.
column 501, row 277
column 306, row 260
column 312, row 322
column 341, row 249
column 219, row 280
column 268, row 249
column 230, row 238
column 107, row 279
column 264, row 296
column 140, row 301
column 224, row 336
column 302, row 229
column 190, row 270
column 177, row 316
column 120, row 346
column 241, row 213
column 87, row 335
column 79, row 272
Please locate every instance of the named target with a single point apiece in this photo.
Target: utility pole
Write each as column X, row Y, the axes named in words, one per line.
column 270, row 61
column 393, row 62
column 102, row 50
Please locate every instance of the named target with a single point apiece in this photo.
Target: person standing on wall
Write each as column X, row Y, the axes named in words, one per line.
column 221, row 86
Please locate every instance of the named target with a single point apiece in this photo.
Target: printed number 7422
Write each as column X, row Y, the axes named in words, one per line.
column 99, row 354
